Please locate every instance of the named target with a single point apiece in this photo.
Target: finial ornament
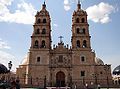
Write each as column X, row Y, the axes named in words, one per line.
column 78, row 1
column 44, row 2
column 44, row 5
column 79, row 5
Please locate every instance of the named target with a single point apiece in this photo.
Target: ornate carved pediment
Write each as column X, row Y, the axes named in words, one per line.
column 60, row 61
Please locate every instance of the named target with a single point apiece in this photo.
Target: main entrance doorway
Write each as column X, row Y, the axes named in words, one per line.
column 60, row 79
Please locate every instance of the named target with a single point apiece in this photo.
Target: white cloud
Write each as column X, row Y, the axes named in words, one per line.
column 100, row 13
column 6, row 2
column 24, row 13
column 4, row 45
column 67, row 6
column 3, row 6
column 4, row 57
column 66, row 1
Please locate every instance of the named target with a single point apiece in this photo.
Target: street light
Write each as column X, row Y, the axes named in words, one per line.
column 98, row 86
column 86, row 85
column 83, row 81
column 10, row 65
column 31, row 80
column 92, row 84
column 75, row 86
column 95, row 76
column 45, row 82
column 70, row 81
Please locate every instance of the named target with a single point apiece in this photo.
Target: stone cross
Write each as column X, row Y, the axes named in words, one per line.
column 61, row 39
column 78, row 1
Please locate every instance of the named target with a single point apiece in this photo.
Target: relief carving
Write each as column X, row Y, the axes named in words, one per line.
column 60, row 61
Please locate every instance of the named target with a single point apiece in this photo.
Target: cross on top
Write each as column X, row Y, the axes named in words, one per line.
column 44, row 1
column 61, row 39
column 78, row 1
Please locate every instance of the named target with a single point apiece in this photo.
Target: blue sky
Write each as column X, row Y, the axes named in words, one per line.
column 17, row 18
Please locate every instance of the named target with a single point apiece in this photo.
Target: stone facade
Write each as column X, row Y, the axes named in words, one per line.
column 75, row 66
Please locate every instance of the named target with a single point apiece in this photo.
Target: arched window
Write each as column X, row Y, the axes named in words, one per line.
column 38, row 21
column 84, row 44
column 44, row 31
column 38, row 59
column 83, row 20
column 82, row 58
column 36, row 44
column 83, row 30
column 37, row 31
column 43, row 44
column 44, row 21
column 78, row 30
column 77, row 20
column 78, row 44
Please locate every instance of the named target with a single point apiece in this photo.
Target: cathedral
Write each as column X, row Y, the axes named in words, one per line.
column 76, row 66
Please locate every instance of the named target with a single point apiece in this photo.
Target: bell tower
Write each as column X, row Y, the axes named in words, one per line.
column 81, row 47
column 40, row 46
column 80, row 29
column 41, row 37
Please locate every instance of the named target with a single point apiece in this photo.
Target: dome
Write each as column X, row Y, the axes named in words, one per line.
column 3, row 69
column 116, row 71
column 99, row 61
column 25, row 60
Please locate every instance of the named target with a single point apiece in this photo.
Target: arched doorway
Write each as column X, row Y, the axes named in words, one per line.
column 60, row 79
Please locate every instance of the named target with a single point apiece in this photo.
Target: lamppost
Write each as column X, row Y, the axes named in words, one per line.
column 83, row 81
column 95, row 76
column 51, row 78
column 98, row 86
column 31, row 80
column 45, row 82
column 70, row 82
column 106, row 68
column 75, row 86
column 9, row 67
column 86, row 85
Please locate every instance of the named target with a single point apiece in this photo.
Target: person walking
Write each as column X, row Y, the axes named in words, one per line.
column 17, row 84
column 13, row 85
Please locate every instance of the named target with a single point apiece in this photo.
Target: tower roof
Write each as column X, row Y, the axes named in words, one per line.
column 79, row 10
column 116, row 71
column 3, row 69
column 43, row 11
